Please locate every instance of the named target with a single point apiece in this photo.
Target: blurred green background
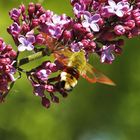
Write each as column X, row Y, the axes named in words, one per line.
column 91, row 111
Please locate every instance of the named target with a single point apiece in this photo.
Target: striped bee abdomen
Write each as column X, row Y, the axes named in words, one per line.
column 69, row 78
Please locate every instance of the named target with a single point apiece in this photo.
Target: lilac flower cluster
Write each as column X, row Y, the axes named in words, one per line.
column 42, row 81
column 24, row 26
column 7, row 70
column 98, row 28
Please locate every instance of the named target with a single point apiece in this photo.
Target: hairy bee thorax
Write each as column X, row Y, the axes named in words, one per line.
column 77, row 61
column 69, row 78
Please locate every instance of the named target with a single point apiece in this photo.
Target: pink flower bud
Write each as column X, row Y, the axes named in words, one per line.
column 35, row 22
column 90, row 35
column 118, row 50
column 45, row 102
column 67, row 35
column 119, row 30
column 31, row 8
column 130, row 24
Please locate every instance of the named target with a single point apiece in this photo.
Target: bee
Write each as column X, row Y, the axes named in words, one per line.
column 76, row 65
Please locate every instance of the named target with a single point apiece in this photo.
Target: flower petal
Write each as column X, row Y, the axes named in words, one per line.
column 112, row 3
column 21, row 48
column 85, row 23
column 110, row 9
column 30, row 33
column 30, row 47
column 119, row 13
column 95, row 18
column 22, row 39
column 86, row 15
column 95, row 27
column 103, row 57
column 31, row 39
column 120, row 5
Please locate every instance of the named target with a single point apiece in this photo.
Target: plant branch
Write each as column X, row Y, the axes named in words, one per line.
column 33, row 57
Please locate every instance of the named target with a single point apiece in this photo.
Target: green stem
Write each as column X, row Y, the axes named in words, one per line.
column 33, row 57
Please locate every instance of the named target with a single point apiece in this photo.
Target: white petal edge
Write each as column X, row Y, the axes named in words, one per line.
column 95, row 27
column 21, row 48
column 112, row 3
column 119, row 13
column 30, row 47
column 21, row 39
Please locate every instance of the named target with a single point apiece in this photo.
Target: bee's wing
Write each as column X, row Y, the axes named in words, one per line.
column 97, row 76
column 49, row 41
column 63, row 56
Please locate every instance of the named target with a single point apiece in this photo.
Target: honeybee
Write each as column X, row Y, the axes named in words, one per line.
column 75, row 66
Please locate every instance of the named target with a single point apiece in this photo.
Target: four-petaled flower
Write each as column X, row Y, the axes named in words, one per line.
column 118, row 9
column 106, row 54
column 14, row 29
column 78, row 9
column 91, row 22
column 43, row 74
column 26, row 42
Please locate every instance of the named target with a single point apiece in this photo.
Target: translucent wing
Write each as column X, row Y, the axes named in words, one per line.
column 96, row 76
column 49, row 41
column 63, row 56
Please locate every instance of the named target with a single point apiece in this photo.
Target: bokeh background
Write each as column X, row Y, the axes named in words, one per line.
column 90, row 112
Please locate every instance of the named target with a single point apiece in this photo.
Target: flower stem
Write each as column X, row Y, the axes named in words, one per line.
column 33, row 57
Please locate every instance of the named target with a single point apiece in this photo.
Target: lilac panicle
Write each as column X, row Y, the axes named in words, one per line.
column 42, row 84
column 99, row 27
column 23, row 30
column 7, row 70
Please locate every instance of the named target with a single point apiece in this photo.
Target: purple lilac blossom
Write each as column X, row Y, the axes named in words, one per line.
column 99, row 27
column 7, row 70
column 78, row 9
column 118, row 9
column 26, row 42
column 106, row 54
column 91, row 22
column 41, row 83
column 55, row 25
column 15, row 14
column 14, row 29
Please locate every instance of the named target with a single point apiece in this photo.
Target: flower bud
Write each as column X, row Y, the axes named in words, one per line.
column 15, row 14
column 45, row 102
column 119, row 30
column 40, row 39
column 22, row 7
column 90, row 35
column 77, row 26
column 35, row 22
column 31, row 8
column 118, row 50
column 130, row 24
column 67, row 35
